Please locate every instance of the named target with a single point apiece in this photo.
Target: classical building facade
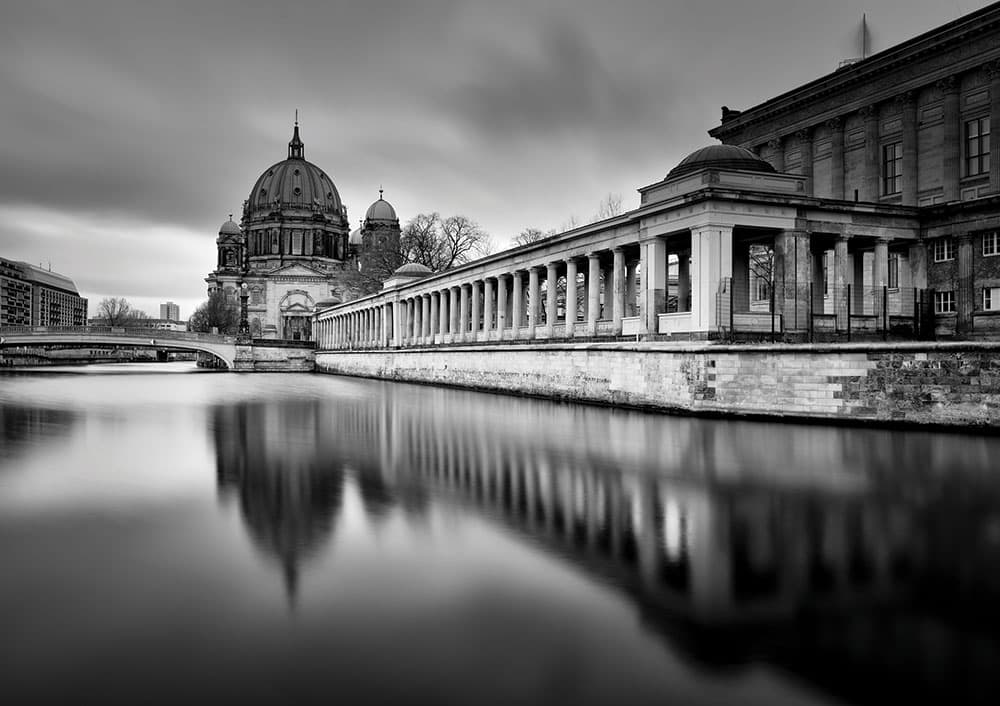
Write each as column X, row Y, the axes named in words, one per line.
column 866, row 202
column 291, row 249
column 31, row 296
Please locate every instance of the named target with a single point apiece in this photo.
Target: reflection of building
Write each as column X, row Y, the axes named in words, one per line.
column 291, row 248
column 31, row 296
column 735, row 542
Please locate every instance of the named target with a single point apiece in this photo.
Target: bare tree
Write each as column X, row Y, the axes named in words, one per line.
column 532, row 235
column 441, row 244
column 116, row 311
column 611, row 205
column 219, row 312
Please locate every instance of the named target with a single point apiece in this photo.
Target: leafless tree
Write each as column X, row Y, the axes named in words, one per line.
column 116, row 311
column 219, row 312
column 442, row 243
column 532, row 235
column 611, row 205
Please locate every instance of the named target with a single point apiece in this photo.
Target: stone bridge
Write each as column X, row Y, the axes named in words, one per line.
column 222, row 347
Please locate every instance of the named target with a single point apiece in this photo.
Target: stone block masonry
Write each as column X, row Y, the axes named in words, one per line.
column 951, row 384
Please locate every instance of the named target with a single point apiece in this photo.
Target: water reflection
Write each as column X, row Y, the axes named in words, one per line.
column 866, row 562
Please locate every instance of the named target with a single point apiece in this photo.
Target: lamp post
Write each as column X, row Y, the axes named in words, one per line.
column 244, row 332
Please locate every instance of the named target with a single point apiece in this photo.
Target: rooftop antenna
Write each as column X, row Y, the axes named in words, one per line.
column 864, row 35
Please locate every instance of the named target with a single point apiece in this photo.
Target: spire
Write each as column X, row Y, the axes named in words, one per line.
column 296, row 150
column 379, row 192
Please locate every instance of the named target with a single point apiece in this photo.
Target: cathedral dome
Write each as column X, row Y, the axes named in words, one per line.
column 381, row 210
column 294, row 184
column 229, row 228
column 720, row 157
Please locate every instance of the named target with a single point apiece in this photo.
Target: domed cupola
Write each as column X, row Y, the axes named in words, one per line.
column 720, row 157
column 381, row 211
column 295, row 185
column 229, row 230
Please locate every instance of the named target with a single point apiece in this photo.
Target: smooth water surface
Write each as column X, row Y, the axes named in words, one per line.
column 169, row 536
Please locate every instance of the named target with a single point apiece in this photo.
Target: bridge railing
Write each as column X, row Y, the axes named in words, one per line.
column 124, row 332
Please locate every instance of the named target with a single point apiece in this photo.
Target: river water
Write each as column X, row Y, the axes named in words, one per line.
column 176, row 536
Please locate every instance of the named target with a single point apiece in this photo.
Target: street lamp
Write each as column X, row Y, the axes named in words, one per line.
column 244, row 332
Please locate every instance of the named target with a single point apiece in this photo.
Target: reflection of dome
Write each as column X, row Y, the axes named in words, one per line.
column 720, row 157
column 381, row 210
column 229, row 228
column 294, row 183
column 413, row 269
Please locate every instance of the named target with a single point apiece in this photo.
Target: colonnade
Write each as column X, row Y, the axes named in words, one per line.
column 575, row 296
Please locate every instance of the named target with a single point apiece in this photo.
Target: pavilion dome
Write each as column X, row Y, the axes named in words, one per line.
column 294, row 183
column 720, row 157
column 413, row 269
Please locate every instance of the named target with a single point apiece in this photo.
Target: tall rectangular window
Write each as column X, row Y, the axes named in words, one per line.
column 893, row 270
column 977, row 146
column 944, row 302
column 943, row 250
column 892, row 168
column 991, row 298
column 991, row 243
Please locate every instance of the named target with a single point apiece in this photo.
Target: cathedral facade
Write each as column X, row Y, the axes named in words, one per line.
column 292, row 249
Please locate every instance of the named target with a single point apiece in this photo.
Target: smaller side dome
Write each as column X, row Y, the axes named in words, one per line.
column 229, row 227
column 413, row 269
column 720, row 157
column 381, row 210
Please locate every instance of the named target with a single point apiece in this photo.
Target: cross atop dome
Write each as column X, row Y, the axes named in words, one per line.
column 296, row 148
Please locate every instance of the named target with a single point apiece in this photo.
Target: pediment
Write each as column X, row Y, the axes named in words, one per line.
column 296, row 270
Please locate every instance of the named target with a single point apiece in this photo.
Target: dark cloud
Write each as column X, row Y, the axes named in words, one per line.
column 516, row 113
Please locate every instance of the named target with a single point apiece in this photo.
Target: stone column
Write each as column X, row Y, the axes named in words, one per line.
column 880, row 264
column 593, row 292
column 806, row 151
column 517, row 310
column 397, row 326
column 841, row 278
column 386, row 325
column 951, row 141
column 501, row 306
column 551, row 299
column 965, row 298
column 570, row 297
column 870, row 188
column 533, row 303
column 435, row 314
column 453, row 311
column 711, row 263
column 777, row 154
column 836, row 126
column 993, row 74
column 487, row 308
column 792, row 263
column 417, row 309
column 443, row 314
column 654, row 281
column 477, row 310
column 617, row 290
column 908, row 107
column 463, row 312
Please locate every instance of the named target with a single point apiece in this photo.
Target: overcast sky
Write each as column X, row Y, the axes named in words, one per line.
column 129, row 130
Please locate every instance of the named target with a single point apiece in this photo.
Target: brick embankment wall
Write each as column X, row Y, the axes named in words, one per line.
column 953, row 384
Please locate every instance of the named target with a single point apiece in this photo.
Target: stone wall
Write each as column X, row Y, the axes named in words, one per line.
column 926, row 383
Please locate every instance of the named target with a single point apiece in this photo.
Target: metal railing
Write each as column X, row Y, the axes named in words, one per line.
column 124, row 332
column 780, row 311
